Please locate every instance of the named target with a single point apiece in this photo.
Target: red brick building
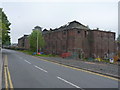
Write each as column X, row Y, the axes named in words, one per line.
column 77, row 39
column 103, row 43
column 118, row 44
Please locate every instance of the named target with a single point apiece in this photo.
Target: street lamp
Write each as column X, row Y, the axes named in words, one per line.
column 37, row 41
column 37, row 28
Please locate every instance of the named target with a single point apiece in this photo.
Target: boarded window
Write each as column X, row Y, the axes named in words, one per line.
column 85, row 33
column 78, row 32
column 64, row 32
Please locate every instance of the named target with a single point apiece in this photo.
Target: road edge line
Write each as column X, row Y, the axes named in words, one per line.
column 82, row 69
column 6, row 79
column 9, row 78
column 117, row 78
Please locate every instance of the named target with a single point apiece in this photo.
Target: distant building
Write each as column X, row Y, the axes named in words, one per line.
column 14, row 44
column 37, row 28
column 23, row 42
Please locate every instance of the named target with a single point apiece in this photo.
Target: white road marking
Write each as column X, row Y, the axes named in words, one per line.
column 68, row 82
column 27, row 61
column 40, row 68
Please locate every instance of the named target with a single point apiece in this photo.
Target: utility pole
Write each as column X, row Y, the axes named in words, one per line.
column 37, row 41
column 38, row 29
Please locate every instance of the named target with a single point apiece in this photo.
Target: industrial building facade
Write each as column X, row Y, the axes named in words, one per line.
column 23, row 42
column 79, row 40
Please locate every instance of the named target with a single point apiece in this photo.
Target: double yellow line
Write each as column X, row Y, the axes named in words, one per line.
column 8, row 81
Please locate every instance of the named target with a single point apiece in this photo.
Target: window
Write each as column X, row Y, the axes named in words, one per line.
column 78, row 32
column 64, row 32
column 85, row 33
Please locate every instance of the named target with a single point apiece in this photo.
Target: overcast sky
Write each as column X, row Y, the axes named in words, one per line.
column 24, row 16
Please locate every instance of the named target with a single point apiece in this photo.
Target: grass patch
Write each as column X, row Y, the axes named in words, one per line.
column 26, row 51
column 107, row 61
column 49, row 55
column 42, row 55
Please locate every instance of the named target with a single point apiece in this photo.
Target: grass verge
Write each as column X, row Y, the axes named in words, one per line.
column 42, row 55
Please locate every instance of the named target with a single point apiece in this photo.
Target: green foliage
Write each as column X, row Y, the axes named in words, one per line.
column 31, row 53
column 4, row 28
column 49, row 55
column 26, row 51
column 33, row 40
column 118, row 39
column 0, row 27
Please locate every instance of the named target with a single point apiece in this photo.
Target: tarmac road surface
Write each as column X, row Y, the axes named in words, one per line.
column 25, row 71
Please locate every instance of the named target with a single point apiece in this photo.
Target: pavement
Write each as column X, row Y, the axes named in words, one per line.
column 103, row 68
column 26, row 71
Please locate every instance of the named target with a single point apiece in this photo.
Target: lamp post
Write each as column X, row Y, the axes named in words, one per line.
column 37, row 28
column 37, row 41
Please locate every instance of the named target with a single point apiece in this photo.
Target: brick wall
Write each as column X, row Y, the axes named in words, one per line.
column 91, row 43
column 76, row 38
column 23, row 42
column 103, row 43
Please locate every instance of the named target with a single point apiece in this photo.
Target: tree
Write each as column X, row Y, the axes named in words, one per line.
column 118, row 39
column 0, row 27
column 33, row 40
column 4, row 28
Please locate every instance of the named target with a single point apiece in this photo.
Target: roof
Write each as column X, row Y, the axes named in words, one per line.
column 70, row 25
column 102, row 31
column 23, row 37
column 76, row 24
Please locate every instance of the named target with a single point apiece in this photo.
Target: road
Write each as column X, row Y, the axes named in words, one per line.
column 25, row 71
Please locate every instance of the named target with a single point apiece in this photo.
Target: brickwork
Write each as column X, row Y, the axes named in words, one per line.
column 103, row 43
column 118, row 44
column 76, row 38
column 23, row 42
